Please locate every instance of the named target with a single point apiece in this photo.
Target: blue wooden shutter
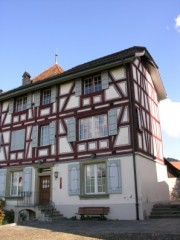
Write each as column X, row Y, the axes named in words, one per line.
column 114, row 176
column 11, row 105
column 112, row 122
column 29, row 101
column 53, row 94
column 105, row 80
column 71, row 128
column 3, row 173
column 27, row 179
column 17, row 140
column 52, row 132
column 74, row 179
column 37, row 98
column 78, row 87
column 35, row 136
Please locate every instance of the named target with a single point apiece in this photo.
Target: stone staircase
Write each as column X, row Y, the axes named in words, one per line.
column 50, row 213
column 166, row 210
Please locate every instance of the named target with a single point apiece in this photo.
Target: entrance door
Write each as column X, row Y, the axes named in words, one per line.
column 44, row 190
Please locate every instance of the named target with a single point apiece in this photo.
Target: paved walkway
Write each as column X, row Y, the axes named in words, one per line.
column 161, row 229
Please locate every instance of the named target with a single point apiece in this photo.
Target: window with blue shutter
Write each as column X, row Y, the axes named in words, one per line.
column 112, row 122
column 3, row 173
column 74, row 179
column 78, row 87
column 114, row 176
column 35, row 136
column 52, row 132
column 105, row 80
column 17, row 140
column 53, row 94
column 27, row 179
column 71, row 128
column 37, row 98
column 11, row 105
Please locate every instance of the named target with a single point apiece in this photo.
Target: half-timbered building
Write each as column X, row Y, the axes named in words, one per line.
column 88, row 136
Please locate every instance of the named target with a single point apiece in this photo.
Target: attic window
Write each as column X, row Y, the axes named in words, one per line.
column 92, row 84
column 21, row 104
column 46, row 97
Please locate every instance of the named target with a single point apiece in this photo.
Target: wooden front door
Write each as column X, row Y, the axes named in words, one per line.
column 44, row 190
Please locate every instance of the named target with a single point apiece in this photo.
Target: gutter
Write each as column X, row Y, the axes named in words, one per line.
column 133, row 146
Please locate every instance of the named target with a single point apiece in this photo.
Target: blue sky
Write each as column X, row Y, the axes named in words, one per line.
column 82, row 30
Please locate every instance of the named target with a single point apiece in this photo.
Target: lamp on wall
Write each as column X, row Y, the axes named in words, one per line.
column 56, row 174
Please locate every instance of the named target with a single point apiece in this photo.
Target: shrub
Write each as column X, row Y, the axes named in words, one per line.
column 2, row 215
column 9, row 216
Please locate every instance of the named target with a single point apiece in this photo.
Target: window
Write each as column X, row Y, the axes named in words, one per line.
column 46, row 97
column 92, row 84
column 21, row 104
column 44, row 137
column 95, row 178
column 93, row 127
column 16, row 183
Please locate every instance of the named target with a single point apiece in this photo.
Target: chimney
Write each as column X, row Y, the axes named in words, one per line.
column 26, row 78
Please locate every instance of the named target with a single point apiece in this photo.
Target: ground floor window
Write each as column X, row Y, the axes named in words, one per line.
column 16, row 183
column 95, row 178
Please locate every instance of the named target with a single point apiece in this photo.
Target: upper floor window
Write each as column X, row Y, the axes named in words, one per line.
column 46, row 97
column 92, row 84
column 21, row 104
column 44, row 135
column 93, row 127
column 16, row 183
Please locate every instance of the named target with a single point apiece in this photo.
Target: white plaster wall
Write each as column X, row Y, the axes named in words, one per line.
column 152, row 183
column 122, row 206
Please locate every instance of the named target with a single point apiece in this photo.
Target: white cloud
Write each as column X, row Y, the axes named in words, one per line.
column 177, row 23
column 170, row 117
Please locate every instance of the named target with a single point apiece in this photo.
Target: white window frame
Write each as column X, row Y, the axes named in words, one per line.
column 93, row 127
column 21, row 104
column 16, row 186
column 92, row 84
column 96, row 181
column 46, row 96
column 45, row 135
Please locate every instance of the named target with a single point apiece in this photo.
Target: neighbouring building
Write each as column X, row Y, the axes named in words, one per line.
column 88, row 136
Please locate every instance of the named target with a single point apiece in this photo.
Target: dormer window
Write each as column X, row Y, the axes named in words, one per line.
column 46, row 97
column 21, row 104
column 92, row 84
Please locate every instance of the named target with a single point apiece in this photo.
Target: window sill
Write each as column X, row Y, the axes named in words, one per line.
column 96, row 196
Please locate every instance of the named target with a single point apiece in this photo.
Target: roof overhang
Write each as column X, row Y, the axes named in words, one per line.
column 63, row 77
column 157, row 81
column 104, row 63
column 153, row 69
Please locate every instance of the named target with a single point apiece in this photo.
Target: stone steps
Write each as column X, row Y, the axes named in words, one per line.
column 168, row 210
column 50, row 214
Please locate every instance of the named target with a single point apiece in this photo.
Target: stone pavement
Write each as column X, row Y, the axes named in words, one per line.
column 152, row 229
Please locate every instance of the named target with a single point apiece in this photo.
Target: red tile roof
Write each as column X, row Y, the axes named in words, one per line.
column 50, row 72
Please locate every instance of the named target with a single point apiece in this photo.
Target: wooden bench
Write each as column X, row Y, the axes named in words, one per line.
column 93, row 211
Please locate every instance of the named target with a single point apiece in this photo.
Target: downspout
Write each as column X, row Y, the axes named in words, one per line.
column 133, row 143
